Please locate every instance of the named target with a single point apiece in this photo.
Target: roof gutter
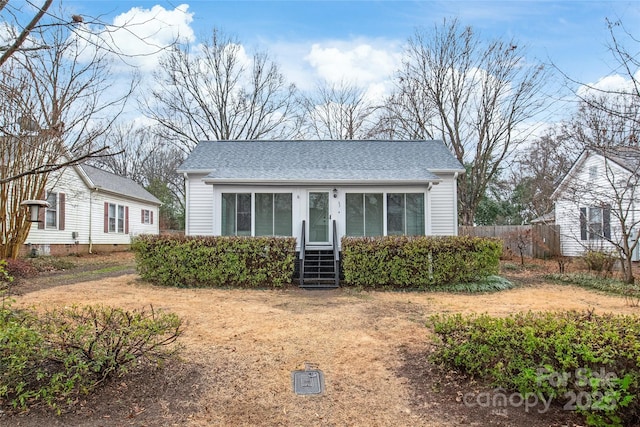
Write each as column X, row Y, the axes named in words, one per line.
column 291, row 182
column 126, row 196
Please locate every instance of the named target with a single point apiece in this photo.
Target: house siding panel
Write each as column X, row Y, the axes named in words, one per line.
column 567, row 208
column 200, row 210
column 443, row 208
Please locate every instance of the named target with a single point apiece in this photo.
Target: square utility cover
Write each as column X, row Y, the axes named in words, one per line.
column 309, row 381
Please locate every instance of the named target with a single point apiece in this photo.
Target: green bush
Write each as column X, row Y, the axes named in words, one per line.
column 53, row 357
column 418, row 262
column 194, row 261
column 599, row 261
column 592, row 359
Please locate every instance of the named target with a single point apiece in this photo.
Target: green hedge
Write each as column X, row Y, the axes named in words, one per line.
column 206, row 261
column 587, row 362
column 418, row 262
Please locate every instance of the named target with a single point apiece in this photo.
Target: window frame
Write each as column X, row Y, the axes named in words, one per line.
column 53, row 208
column 252, row 214
column 385, row 212
column 116, row 218
column 146, row 216
column 595, row 223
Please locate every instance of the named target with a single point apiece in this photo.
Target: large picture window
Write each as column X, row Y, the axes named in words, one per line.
column 365, row 214
column 405, row 214
column 236, row 214
column 272, row 213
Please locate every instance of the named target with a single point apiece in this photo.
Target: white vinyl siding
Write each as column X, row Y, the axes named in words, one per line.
column 200, row 207
column 444, row 221
column 83, row 208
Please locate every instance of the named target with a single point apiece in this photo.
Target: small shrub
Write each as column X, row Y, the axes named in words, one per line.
column 69, row 351
column 20, row 268
column 556, row 355
column 51, row 263
column 599, row 261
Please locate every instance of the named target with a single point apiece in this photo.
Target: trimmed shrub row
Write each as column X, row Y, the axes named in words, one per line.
column 418, row 262
column 587, row 362
column 220, row 261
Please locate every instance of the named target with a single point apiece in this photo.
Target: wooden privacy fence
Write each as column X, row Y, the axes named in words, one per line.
column 538, row 241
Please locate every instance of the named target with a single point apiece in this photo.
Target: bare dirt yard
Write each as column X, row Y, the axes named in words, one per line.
column 240, row 347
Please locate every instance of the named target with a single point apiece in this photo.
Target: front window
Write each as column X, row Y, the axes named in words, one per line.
column 595, row 223
column 405, row 214
column 146, row 216
column 236, row 214
column 116, row 218
column 365, row 214
column 112, row 217
column 51, row 216
column 273, row 214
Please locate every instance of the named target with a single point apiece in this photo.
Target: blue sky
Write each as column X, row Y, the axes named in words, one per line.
column 572, row 34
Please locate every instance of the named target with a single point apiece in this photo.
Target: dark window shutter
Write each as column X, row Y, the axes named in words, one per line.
column 151, row 216
column 583, row 223
column 61, row 211
column 42, row 211
column 126, row 220
column 106, row 217
column 141, row 216
column 606, row 222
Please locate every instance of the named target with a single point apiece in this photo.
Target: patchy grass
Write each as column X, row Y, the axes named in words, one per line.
column 589, row 281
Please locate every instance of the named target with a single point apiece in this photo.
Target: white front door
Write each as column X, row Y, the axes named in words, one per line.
column 319, row 218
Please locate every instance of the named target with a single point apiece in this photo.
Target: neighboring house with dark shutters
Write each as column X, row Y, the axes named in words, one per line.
column 306, row 188
column 597, row 201
column 91, row 210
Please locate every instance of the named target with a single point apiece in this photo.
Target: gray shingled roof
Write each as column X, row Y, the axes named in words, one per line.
column 326, row 161
column 625, row 156
column 118, row 184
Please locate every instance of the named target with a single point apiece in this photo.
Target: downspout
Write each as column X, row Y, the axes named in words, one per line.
column 186, row 203
column 455, row 205
column 90, row 219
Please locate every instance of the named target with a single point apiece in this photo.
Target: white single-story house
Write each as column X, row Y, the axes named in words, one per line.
column 597, row 199
column 91, row 210
column 365, row 188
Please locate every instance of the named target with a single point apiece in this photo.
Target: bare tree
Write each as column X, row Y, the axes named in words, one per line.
column 218, row 93
column 20, row 33
column 606, row 120
column 53, row 100
column 476, row 97
column 141, row 154
column 337, row 111
column 539, row 166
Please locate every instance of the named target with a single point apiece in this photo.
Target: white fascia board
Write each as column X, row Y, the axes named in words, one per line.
column 213, row 181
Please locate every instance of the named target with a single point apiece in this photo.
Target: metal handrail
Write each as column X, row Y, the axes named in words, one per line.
column 336, row 253
column 303, row 243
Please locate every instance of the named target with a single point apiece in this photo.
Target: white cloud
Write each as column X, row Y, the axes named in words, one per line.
column 139, row 35
column 614, row 83
column 357, row 61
